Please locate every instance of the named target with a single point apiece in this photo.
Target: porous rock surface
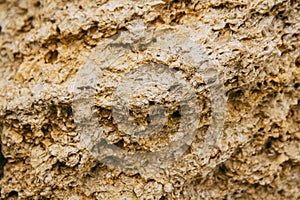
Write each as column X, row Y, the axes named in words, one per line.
column 255, row 45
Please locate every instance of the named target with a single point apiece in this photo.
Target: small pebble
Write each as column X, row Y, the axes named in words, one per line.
column 52, row 19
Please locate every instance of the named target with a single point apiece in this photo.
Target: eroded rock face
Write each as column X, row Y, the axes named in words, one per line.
column 150, row 99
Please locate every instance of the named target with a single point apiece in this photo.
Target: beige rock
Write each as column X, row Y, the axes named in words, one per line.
column 67, row 71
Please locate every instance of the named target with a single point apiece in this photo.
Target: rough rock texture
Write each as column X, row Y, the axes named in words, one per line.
column 255, row 45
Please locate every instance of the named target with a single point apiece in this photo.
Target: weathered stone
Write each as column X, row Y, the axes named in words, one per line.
column 57, row 58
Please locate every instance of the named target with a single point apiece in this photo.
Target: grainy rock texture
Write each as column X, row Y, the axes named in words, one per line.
column 255, row 47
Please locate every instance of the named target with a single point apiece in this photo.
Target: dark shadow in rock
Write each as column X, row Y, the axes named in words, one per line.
column 2, row 161
column 13, row 194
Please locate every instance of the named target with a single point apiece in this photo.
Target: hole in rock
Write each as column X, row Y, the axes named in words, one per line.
column 176, row 114
column 58, row 30
column 235, row 94
column 27, row 128
column 297, row 63
column 37, row 4
column 13, row 194
column 46, row 128
column 51, row 56
column 260, row 129
column 268, row 143
column 259, row 84
column 120, row 144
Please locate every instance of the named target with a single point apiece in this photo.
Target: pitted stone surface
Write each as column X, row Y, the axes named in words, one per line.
column 43, row 46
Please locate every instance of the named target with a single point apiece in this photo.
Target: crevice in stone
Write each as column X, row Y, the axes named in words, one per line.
column 3, row 161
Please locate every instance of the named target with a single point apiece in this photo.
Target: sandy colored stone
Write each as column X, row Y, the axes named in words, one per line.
column 45, row 44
